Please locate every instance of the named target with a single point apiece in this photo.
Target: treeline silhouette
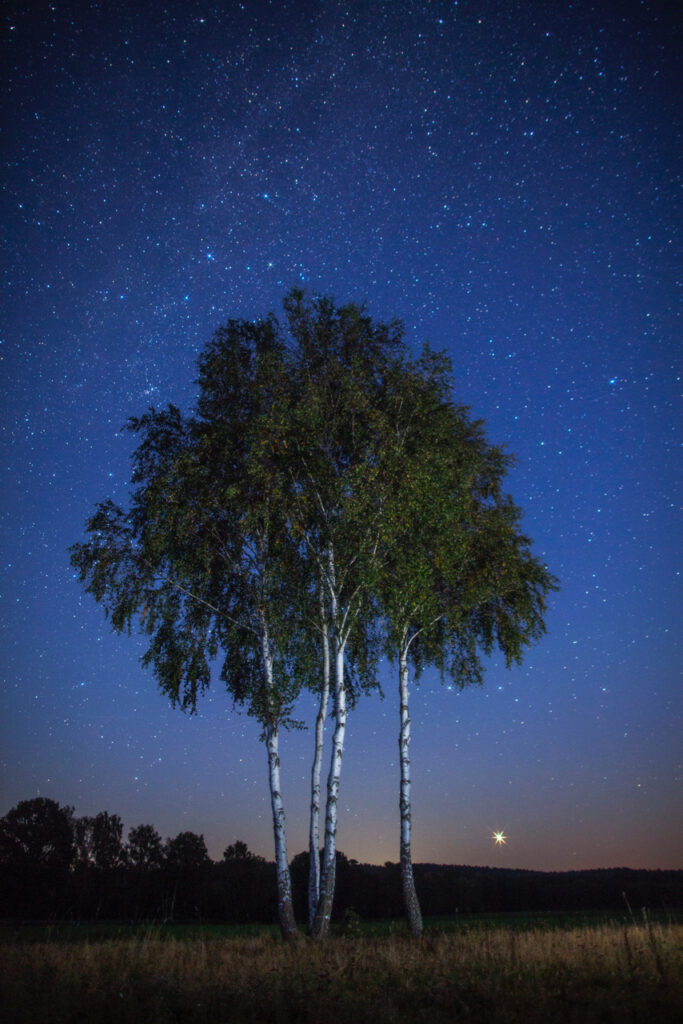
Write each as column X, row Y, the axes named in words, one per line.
column 54, row 865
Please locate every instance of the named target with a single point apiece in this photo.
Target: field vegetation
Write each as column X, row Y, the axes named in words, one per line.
column 470, row 970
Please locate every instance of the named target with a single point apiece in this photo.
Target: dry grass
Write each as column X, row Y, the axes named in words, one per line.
column 606, row 974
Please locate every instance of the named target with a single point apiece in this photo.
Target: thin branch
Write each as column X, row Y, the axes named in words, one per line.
column 310, row 480
column 349, row 606
column 200, row 600
column 422, row 630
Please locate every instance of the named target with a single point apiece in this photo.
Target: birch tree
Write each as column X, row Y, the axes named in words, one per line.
column 459, row 578
column 201, row 562
column 334, row 460
column 316, row 769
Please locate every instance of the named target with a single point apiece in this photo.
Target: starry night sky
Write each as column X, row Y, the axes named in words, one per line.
column 502, row 177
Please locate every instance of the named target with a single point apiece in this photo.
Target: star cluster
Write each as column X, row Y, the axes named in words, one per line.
column 501, row 176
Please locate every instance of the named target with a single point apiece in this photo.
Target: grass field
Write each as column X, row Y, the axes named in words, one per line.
column 489, row 971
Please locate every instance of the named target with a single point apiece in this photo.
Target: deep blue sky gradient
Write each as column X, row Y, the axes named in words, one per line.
column 502, row 176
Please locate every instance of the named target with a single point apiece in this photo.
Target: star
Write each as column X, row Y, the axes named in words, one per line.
column 499, row 838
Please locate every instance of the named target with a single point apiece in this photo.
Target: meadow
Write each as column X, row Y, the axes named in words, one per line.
column 535, row 970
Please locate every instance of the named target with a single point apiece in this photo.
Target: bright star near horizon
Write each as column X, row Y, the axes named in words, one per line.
column 499, row 838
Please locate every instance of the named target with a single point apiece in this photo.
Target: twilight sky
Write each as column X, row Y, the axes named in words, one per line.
column 501, row 176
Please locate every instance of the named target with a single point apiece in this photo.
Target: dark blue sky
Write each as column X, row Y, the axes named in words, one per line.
column 502, row 176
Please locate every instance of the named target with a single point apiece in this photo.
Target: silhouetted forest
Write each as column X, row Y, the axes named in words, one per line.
column 57, row 866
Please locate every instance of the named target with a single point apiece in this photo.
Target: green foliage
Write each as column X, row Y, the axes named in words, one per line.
column 202, row 557
column 327, row 442
column 458, row 577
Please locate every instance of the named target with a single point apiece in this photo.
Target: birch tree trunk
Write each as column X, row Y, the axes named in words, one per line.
column 314, row 830
column 285, row 905
column 412, row 905
column 321, row 923
column 284, row 883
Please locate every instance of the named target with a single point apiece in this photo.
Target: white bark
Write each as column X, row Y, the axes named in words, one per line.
column 409, row 893
column 323, row 914
column 284, row 882
column 324, row 910
column 314, row 830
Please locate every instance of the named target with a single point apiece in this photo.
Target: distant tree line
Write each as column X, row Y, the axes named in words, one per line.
column 54, row 865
